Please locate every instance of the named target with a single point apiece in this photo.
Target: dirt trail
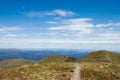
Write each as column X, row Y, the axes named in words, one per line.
column 76, row 73
column 107, row 56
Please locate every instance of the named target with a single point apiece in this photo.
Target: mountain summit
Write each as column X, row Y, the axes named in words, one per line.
column 102, row 56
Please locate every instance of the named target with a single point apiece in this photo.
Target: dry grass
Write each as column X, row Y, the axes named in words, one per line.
column 45, row 71
column 100, row 71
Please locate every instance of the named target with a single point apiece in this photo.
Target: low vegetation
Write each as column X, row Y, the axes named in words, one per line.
column 36, row 71
column 98, row 65
column 58, row 59
column 100, row 71
column 12, row 63
column 102, row 56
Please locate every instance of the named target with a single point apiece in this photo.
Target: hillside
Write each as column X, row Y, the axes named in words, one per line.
column 8, row 64
column 39, row 71
column 100, row 71
column 98, row 65
column 101, row 65
column 101, row 56
column 58, row 59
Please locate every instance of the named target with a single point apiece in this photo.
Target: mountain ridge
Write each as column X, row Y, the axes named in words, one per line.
column 63, row 68
column 102, row 56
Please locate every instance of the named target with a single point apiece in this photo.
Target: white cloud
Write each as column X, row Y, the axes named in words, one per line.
column 79, row 26
column 56, row 12
column 110, row 35
column 5, row 29
column 78, row 20
column 11, row 35
column 14, row 35
column 85, row 31
column 104, row 25
column 109, row 25
column 51, row 22
column 63, row 12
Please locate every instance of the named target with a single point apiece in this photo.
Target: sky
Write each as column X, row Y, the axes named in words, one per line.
column 62, row 24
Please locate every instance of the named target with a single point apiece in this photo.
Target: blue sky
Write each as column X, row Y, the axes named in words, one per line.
column 68, row 24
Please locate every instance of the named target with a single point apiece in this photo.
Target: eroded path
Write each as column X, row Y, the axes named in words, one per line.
column 76, row 73
column 107, row 56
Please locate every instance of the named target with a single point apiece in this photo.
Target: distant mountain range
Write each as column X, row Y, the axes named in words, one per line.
column 31, row 54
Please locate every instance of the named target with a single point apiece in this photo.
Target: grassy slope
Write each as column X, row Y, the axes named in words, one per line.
column 98, row 65
column 100, row 71
column 52, row 67
column 37, row 71
column 101, row 65
column 101, row 56
column 58, row 59
column 8, row 64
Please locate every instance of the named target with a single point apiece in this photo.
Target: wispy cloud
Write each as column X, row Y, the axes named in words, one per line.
column 6, row 29
column 62, row 12
column 111, row 24
column 56, row 12
column 51, row 22
column 9, row 35
column 79, row 26
column 110, row 35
